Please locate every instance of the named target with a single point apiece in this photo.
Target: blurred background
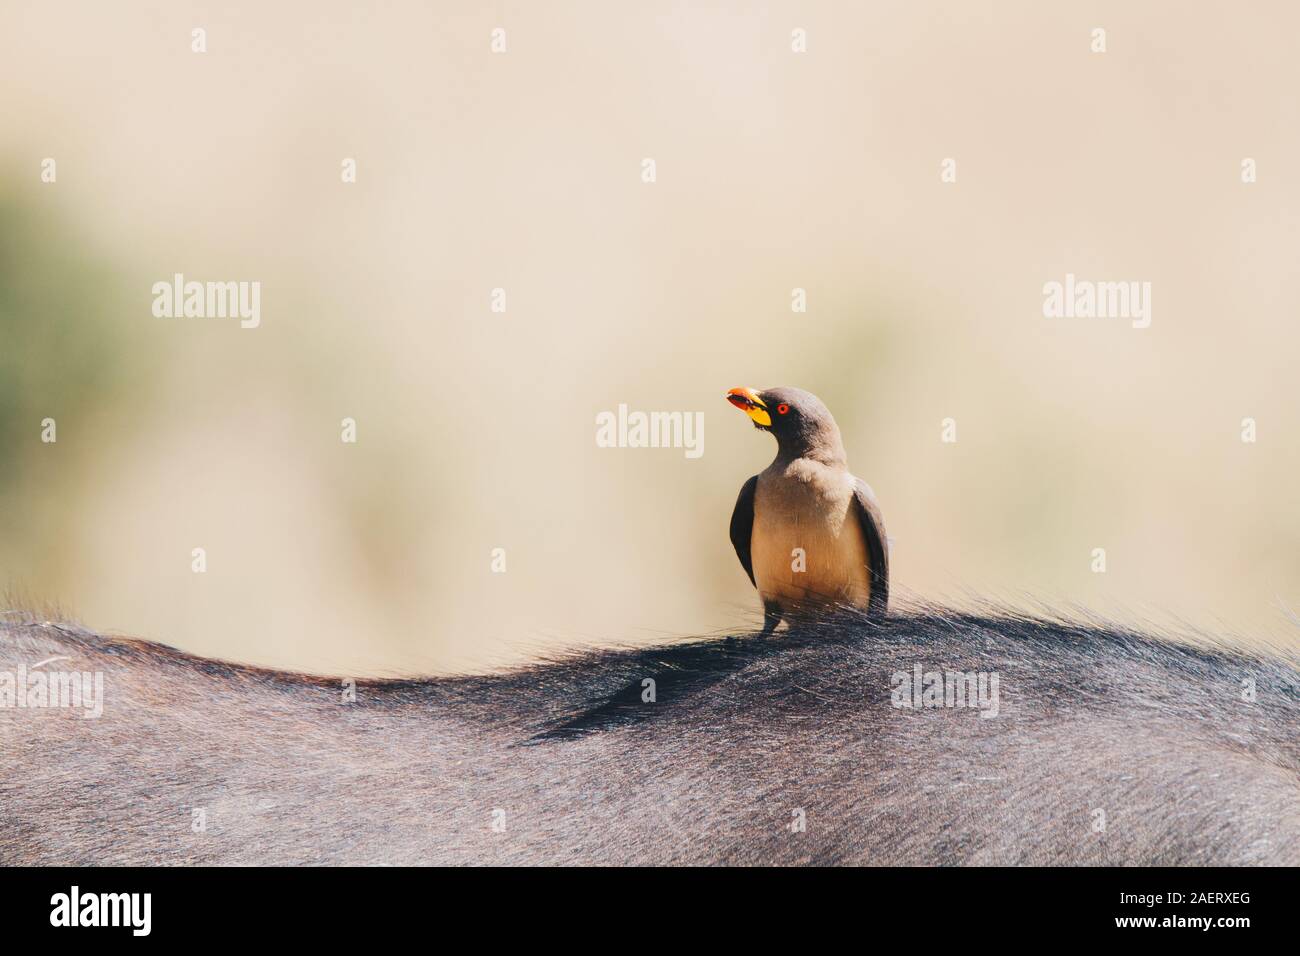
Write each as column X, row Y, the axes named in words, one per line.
column 523, row 171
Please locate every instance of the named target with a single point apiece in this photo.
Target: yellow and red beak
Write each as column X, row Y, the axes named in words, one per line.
column 747, row 400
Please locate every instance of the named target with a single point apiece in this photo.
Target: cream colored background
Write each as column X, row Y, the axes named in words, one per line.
column 774, row 171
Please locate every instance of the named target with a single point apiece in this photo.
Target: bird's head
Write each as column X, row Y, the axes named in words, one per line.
column 803, row 426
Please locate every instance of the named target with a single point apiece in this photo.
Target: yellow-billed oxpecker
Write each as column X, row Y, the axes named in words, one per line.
column 808, row 533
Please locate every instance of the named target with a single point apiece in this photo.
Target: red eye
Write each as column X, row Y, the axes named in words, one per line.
column 782, row 409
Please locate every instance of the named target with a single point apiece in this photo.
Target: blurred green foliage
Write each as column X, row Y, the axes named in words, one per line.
column 58, row 356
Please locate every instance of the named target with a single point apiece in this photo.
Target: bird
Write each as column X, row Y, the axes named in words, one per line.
column 809, row 533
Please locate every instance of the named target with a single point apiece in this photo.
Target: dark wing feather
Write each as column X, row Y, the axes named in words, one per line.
column 742, row 526
column 873, row 529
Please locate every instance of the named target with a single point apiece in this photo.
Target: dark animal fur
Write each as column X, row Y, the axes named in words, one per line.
column 744, row 732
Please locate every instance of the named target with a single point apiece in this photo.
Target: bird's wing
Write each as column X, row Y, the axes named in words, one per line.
column 873, row 529
column 742, row 526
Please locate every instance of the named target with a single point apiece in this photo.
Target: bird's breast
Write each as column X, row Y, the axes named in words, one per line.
column 807, row 544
